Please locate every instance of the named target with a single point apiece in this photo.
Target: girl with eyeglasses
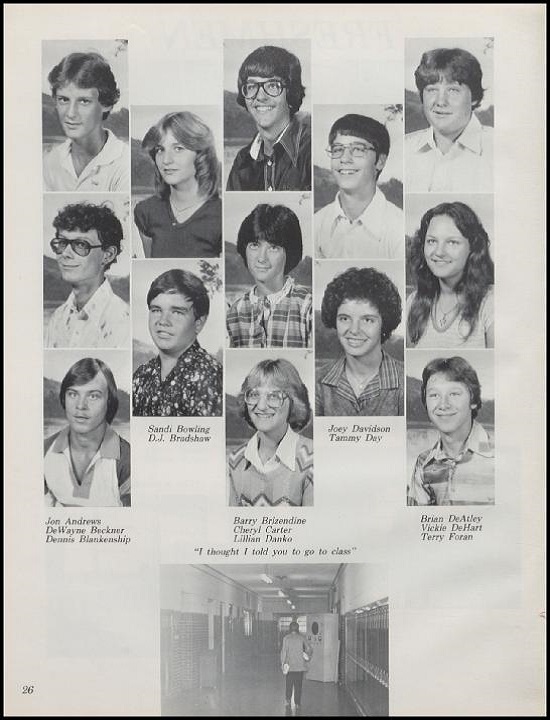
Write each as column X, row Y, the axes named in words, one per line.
column 275, row 467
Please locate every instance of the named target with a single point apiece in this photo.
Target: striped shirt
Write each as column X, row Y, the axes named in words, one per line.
column 383, row 394
column 105, row 482
column 279, row 320
column 468, row 479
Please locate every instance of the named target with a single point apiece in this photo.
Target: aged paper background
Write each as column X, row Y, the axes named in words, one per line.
column 467, row 623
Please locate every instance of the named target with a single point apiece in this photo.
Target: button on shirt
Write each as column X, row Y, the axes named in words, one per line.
column 467, row 167
column 468, row 479
column 108, row 171
column 377, row 233
column 103, row 322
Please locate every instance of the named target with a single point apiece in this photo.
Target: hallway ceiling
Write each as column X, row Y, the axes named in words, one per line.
column 303, row 581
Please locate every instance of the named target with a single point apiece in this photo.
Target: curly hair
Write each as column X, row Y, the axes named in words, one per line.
column 277, row 225
column 477, row 276
column 365, row 284
column 456, row 369
column 282, row 375
column 86, row 216
column 81, row 373
column 185, row 283
column 189, row 130
column 86, row 70
column 270, row 61
column 454, row 65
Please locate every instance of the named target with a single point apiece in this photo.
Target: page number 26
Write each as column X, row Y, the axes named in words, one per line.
column 27, row 689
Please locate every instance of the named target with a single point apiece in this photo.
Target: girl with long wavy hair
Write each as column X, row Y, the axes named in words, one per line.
column 452, row 305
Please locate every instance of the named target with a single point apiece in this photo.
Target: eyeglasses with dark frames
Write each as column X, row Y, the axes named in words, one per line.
column 78, row 245
column 272, row 87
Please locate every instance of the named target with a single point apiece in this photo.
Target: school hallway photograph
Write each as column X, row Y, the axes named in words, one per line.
column 274, row 640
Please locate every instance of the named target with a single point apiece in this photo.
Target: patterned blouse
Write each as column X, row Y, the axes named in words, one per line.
column 193, row 388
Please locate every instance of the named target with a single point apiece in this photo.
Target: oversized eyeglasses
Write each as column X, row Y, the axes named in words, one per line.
column 273, row 88
column 273, row 398
column 78, row 246
column 356, row 150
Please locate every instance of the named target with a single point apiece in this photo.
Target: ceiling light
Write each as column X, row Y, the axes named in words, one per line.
column 266, row 579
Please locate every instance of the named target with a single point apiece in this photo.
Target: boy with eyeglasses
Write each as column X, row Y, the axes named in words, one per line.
column 92, row 158
column 360, row 222
column 279, row 157
column 87, row 242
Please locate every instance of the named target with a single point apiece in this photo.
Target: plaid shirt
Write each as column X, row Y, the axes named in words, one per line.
column 279, row 320
column 468, row 479
column 193, row 388
column 383, row 395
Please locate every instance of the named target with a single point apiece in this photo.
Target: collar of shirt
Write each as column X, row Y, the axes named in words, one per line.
column 274, row 298
column 285, row 453
column 389, row 377
column 288, row 140
column 185, row 357
column 477, row 442
column 372, row 216
column 470, row 138
column 109, row 448
column 111, row 151
column 96, row 305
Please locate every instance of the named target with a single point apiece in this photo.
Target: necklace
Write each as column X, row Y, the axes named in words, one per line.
column 180, row 210
column 445, row 319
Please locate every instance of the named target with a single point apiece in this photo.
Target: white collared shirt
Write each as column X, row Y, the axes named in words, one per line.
column 377, row 233
column 108, row 171
column 285, row 453
column 466, row 167
column 103, row 322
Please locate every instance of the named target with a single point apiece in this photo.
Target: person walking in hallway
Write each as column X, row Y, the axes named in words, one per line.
column 296, row 653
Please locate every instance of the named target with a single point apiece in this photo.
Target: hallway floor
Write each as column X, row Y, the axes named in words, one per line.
column 259, row 689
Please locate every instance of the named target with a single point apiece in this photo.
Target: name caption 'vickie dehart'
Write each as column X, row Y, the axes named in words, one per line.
column 450, row 527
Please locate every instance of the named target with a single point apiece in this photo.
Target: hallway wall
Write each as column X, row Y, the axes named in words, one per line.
column 360, row 585
column 200, row 583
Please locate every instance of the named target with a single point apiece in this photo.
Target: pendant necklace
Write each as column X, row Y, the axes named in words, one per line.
column 445, row 319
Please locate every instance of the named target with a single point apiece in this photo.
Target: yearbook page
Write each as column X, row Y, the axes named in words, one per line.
column 274, row 360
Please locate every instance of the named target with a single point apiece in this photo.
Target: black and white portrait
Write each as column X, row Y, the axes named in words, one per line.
column 177, row 338
column 86, row 270
column 268, row 270
column 86, row 429
column 176, row 176
column 358, row 181
column 267, row 121
column 449, row 114
column 85, row 115
column 359, row 338
column 450, row 428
